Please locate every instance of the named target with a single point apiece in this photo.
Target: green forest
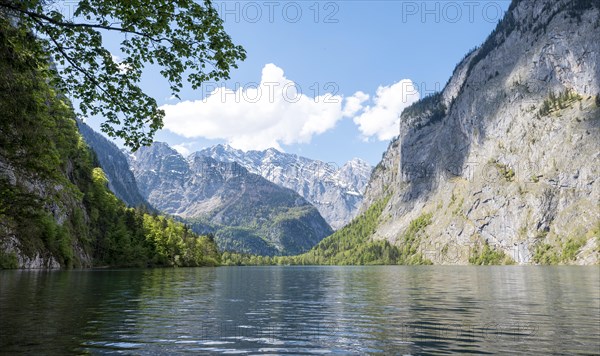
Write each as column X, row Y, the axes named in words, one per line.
column 352, row 245
column 54, row 198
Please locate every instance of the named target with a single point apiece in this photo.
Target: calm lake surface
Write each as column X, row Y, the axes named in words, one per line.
column 303, row 310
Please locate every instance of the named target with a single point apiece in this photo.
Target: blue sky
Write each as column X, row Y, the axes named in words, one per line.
column 359, row 51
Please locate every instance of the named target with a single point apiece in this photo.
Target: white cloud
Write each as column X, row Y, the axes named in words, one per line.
column 260, row 115
column 182, row 149
column 276, row 111
column 354, row 103
column 382, row 119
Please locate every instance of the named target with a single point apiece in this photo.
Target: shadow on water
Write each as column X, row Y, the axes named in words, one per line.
column 78, row 311
column 50, row 311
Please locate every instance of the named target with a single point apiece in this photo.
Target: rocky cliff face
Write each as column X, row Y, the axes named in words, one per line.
column 246, row 212
column 23, row 231
column 337, row 192
column 114, row 163
column 508, row 154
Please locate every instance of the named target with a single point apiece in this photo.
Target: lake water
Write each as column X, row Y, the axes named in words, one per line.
column 303, row 310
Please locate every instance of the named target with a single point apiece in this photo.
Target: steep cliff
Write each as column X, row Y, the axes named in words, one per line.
column 506, row 159
column 114, row 163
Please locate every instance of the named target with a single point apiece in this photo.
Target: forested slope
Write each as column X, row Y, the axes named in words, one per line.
column 55, row 206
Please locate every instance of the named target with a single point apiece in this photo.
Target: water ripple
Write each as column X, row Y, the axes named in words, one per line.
column 303, row 310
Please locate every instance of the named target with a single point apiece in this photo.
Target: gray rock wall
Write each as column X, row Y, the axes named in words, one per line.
column 496, row 167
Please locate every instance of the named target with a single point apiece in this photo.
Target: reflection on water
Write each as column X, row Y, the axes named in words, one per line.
column 389, row 310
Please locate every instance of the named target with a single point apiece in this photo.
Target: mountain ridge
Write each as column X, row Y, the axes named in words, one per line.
column 335, row 191
column 114, row 163
column 246, row 212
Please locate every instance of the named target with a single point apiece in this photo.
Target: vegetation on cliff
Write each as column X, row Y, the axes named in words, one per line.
column 352, row 245
column 54, row 201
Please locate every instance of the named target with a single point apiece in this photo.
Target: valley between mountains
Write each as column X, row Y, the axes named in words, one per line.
column 501, row 166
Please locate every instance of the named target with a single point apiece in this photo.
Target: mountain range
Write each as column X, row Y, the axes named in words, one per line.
column 501, row 166
column 336, row 191
column 246, row 212
column 258, row 202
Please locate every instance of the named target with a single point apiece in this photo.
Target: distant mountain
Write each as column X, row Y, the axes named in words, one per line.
column 336, row 191
column 114, row 163
column 246, row 212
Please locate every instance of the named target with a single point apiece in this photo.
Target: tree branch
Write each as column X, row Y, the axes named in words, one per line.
column 85, row 73
column 80, row 25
